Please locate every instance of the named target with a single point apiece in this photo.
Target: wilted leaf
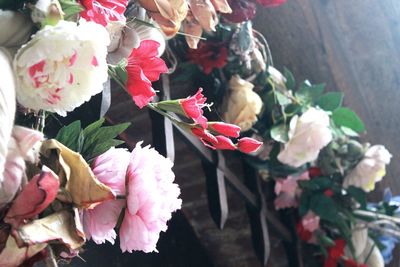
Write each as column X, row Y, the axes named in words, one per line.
column 221, row 6
column 193, row 30
column 34, row 197
column 82, row 185
column 12, row 255
column 205, row 14
column 63, row 226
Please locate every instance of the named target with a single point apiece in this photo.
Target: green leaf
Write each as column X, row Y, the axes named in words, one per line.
column 70, row 8
column 308, row 93
column 348, row 118
column 348, row 131
column 280, row 133
column 330, row 101
column 358, row 195
column 324, row 207
column 282, row 99
column 290, row 81
column 292, row 109
column 99, row 139
column 70, row 136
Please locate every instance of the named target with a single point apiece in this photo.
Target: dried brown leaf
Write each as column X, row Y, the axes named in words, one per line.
column 12, row 255
column 205, row 13
column 75, row 174
column 63, row 226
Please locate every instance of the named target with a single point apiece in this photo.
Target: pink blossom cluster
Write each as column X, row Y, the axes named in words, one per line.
column 146, row 180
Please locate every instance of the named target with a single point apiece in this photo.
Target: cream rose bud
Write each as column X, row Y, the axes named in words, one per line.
column 243, row 104
column 370, row 169
column 62, row 66
column 308, row 134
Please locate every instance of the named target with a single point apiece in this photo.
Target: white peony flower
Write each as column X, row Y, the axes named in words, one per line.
column 243, row 104
column 370, row 169
column 62, row 66
column 308, row 134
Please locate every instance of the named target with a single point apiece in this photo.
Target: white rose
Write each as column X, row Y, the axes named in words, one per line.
column 308, row 134
column 62, row 66
column 243, row 103
column 370, row 169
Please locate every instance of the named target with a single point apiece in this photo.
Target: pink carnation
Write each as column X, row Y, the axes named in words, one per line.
column 104, row 11
column 310, row 221
column 110, row 169
column 287, row 189
column 152, row 197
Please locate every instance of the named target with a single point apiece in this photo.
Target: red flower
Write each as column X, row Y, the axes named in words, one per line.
column 34, row 197
column 103, row 11
column 314, row 172
column 242, row 10
column 209, row 55
column 304, row 234
column 144, row 67
column 192, row 107
column 271, row 3
column 335, row 253
column 353, row 263
column 248, row 145
column 329, row 192
column 205, row 137
column 226, row 129
column 224, row 143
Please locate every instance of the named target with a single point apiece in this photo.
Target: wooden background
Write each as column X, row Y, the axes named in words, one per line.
column 352, row 46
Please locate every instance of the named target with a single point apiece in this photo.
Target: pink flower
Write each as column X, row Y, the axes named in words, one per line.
column 226, row 129
column 34, row 197
column 21, row 148
column 248, row 145
column 99, row 222
column 104, row 11
column 144, row 66
column 193, row 107
column 271, row 3
column 287, row 191
column 310, row 221
column 152, row 197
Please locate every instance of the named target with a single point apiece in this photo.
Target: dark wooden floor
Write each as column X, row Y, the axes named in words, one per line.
column 352, row 46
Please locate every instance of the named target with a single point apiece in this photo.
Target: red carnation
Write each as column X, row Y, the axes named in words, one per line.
column 144, row 66
column 103, row 11
column 192, row 107
column 209, row 55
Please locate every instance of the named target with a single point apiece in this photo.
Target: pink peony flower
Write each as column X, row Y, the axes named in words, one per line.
column 144, row 66
column 104, row 11
column 99, row 222
column 287, row 191
column 152, row 197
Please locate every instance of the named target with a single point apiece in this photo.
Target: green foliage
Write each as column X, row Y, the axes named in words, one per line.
column 358, row 195
column 70, row 8
column 309, row 93
column 280, row 133
column 347, row 118
column 324, row 206
column 290, row 81
column 92, row 141
column 330, row 101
